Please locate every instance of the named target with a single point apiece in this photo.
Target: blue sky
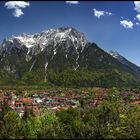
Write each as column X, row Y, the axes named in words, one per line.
column 112, row 25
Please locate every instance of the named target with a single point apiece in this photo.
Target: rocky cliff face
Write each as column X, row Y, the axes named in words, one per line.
column 55, row 47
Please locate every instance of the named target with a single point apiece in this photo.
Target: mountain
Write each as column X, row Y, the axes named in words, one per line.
column 124, row 61
column 63, row 45
column 62, row 56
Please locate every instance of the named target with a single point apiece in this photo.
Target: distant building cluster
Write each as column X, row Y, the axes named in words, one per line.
column 56, row 100
column 51, row 100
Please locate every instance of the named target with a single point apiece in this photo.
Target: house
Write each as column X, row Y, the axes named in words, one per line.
column 38, row 100
column 26, row 100
column 19, row 108
column 18, row 104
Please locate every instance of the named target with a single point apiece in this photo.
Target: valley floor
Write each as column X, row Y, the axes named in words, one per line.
column 37, row 112
column 37, row 98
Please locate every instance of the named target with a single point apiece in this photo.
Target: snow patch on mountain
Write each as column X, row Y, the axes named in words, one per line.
column 32, row 65
column 46, row 65
column 116, row 55
column 27, row 40
column 124, row 61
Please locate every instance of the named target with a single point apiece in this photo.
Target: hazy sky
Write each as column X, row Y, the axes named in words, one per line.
column 112, row 25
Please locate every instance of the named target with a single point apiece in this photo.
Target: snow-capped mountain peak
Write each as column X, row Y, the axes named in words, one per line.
column 49, row 42
column 49, row 37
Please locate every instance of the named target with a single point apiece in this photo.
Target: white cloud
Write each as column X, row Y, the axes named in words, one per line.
column 72, row 2
column 108, row 13
column 137, row 23
column 138, row 17
column 18, row 12
column 137, row 6
column 17, row 5
column 98, row 14
column 127, row 24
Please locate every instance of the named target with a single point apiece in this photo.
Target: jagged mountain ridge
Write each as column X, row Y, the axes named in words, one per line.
column 56, row 49
column 45, row 38
column 48, row 43
column 124, row 61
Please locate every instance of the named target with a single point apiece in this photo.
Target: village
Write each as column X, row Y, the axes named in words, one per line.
column 37, row 101
column 56, row 100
